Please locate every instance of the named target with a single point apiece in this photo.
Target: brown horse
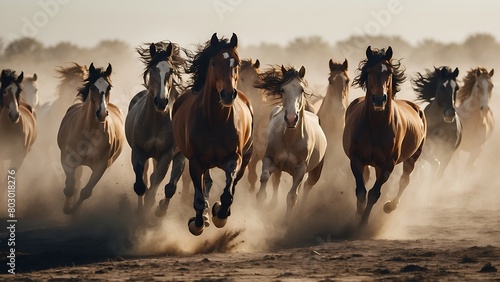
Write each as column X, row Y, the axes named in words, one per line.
column 331, row 114
column 380, row 131
column 474, row 112
column 296, row 143
column 213, row 126
column 91, row 134
column 17, row 121
column 148, row 126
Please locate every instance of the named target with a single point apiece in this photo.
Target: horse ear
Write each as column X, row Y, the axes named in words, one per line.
column 35, row 77
column 283, row 70
column 443, row 71
column 169, row 49
column 455, row 73
column 20, row 77
column 492, row 71
column 234, row 41
column 345, row 64
column 214, row 40
column 302, row 72
column 108, row 70
column 388, row 53
column 369, row 52
column 152, row 50
column 91, row 68
column 3, row 73
column 478, row 72
column 256, row 64
column 330, row 64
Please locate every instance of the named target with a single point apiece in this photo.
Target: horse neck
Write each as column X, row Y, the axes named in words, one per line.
column 335, row 101
column 212, row 108
column 89, row 111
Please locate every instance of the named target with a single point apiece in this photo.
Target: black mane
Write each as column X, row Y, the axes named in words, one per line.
column 83, row 91
column 425, row 85
column 7, row 78
column 398, row 75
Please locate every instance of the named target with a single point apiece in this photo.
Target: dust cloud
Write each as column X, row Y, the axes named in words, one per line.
column 109, row 215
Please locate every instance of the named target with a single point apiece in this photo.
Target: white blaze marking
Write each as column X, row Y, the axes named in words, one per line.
column 231, row 62
column 164, row 68
column 446, row 83
column 102, row 86
column 13, row 103
column 226, row 55
column 384, row 67
column 453, row 86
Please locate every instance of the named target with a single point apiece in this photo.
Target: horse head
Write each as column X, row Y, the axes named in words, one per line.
column 483, row 88
column 292, row 95
column 446, row 89
column 99, row 89
column 379, row 77
column 10, row 91
column 223, row 68
column 160, row 72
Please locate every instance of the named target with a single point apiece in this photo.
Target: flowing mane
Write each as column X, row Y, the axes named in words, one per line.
column 398, row 75
column 469, row 81
column 425, row 85
column 8, row 77
column 198, row 63
column 272, row 81
column 176, row 60
column 67, row 75
column 83, row 91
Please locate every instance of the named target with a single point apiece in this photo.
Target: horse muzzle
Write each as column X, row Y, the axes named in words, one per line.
column 291, row 119
column 14, row 116
column 101, row 115
column 160, row 104
column 228, row 98
column 449, row 116
column 484, row 108
column 379, row 102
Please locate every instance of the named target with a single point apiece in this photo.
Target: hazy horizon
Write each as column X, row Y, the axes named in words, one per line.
column 86, row 23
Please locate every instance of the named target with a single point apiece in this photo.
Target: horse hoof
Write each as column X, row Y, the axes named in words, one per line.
column 218, row 222
column 159, row 212
column 195, row 230
column 68, row 210
column 389, row 207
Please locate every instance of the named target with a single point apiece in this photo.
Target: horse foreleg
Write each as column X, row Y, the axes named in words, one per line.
column 276, row 177
column 267, row 169
column 408, row 167
column 186, row 184
column 312, row 178
column 383, row 175
column 171, row 187
column 221, row 210
column 138, row 163
column 86, row 191
column 291, row 198
column 359, row 171
column 69, row 189
column 157, row 177
column 197, row 224
column 252, row 173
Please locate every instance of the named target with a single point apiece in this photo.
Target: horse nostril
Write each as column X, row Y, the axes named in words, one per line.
column 155, row 101
column 235, row 93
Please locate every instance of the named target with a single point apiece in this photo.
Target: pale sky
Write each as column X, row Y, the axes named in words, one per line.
column 86, row 22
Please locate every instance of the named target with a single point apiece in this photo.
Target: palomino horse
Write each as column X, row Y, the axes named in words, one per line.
column 262, row 109
column 17, row 121
column 296, row 143
column 30, row 91
column 380, row 131
column 332, row 113
column 213, row 126
column 148, row 126
column 474, row 112
column 444, row 130
column 91, row 134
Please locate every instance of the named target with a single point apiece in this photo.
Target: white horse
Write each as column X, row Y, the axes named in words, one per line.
column 296, row 143
column 30, row 90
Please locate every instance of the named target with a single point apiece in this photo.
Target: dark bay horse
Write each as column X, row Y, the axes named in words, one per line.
column 148, row 126
column 296, row 143
column 91, row 134
column 18, row 129
column 444, row 130
column 474, row 112
column 381, row 131
column 213, row 126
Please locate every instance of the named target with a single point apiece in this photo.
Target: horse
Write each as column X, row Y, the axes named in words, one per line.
column 213, row 126
column 474, row 112
column 332, row 112
column 444, row 129
column 30, row 90
column 296, row 143
column 148, row 125
column 17, row 121
column 381, row 131
column 262, row 109
column 91, row 134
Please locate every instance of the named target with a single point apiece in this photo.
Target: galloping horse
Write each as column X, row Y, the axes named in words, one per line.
column 17, row 121
column 213, row 126
column 148, row 126
column 380, row 131
column 444, row 130
column 332, row 113
column 30, row 90
column 91, row 134
column 474, row 112
column 296, row 143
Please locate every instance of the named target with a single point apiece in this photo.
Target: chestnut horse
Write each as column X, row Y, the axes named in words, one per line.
column 380, row 131
column 91, row 134
column 213, row 126
column 444, row 130
column 148, row 126
column 474, row 112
